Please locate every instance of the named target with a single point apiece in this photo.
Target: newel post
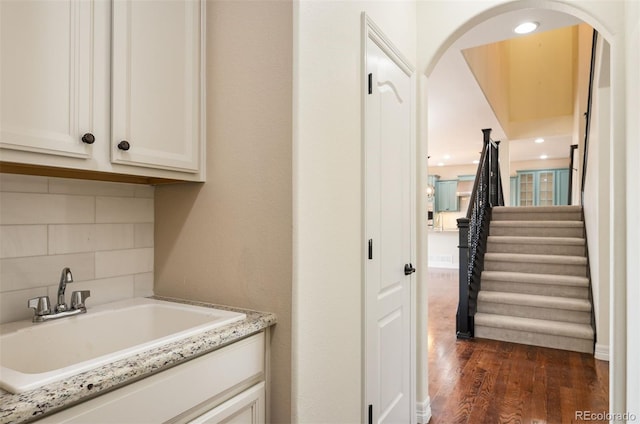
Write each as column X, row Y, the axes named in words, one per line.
column 463, row 330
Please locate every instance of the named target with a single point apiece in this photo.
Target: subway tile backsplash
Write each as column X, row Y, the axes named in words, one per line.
column 103, row 231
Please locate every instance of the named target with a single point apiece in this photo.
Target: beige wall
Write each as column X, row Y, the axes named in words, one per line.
column 452, row 172
column 102, row 231
column 526, row 165
column 229, row 240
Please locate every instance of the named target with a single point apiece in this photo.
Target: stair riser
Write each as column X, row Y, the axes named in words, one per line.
column 540, row 289
column 537, row 231
column 579, row 317
column 536, row 216
column 535, row 339
column 536, row 268
column 536, row 249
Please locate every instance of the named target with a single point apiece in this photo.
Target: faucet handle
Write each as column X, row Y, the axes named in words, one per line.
column 78, row 298
column 41, row 305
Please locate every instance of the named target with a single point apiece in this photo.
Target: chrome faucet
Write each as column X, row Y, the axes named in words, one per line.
column 42, row 306
column 65, row 277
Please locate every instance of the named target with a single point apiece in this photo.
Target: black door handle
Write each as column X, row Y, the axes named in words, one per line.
column 409, row 269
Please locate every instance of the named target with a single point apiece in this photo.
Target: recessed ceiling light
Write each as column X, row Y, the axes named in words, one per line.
column 539, row 140
column 440, row 163
column 447, row 156
column 526, row 27
column 476, row 161
column 543, row 156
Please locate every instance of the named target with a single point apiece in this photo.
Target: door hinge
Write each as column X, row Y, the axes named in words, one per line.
column 370, row 83
column 370, row 248
column 370, row 414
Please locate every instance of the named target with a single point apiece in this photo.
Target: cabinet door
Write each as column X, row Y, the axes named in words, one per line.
column 246, row 408
column 442, row 198
column 446, row 199
column 562, row 187
column 526, row 193
column 546, row 186
column 157, row 83
column 453, row 196
column 46, row 77
column 513, row 191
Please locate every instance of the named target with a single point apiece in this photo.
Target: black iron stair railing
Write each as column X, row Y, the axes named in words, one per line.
column 473, row 232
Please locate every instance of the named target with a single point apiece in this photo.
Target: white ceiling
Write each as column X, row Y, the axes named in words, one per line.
column 457, row 108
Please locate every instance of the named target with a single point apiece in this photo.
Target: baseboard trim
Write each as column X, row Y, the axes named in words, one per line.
column 602, row 352
column 447, row 265
column 424, row 411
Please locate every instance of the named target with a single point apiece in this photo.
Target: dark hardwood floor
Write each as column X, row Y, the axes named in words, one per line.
column 485, row 381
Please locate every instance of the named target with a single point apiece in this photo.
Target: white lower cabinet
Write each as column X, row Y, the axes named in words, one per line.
column 224, row 386
column 246, row 408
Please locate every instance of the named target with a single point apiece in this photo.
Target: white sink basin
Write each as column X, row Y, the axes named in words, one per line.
column 32, row 355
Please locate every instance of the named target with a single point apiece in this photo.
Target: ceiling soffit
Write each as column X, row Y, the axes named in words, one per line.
column 530, row 81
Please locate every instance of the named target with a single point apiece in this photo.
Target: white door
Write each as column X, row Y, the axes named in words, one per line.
column 389, row 228
column 46, row 77
column 157, row 81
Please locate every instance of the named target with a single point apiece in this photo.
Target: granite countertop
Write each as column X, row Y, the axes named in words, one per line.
column 33, row 404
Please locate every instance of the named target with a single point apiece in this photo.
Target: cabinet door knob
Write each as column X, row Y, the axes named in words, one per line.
column 124, row 145
column 88, row 138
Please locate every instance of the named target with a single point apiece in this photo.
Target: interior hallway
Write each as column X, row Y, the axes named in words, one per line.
column 485, row 381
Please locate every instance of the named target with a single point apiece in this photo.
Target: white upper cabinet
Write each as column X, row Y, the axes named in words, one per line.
column 46, row 73
column 156, row 84
column 115, row 87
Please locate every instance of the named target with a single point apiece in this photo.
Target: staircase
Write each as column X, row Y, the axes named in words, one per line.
column 535, row 288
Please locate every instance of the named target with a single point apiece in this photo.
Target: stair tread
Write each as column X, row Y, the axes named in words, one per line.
column 539, row 223
column 573, row 241
column 558, row 328
column 542, row 209
column 533, row 258
column 524, row 277
column 551, row 302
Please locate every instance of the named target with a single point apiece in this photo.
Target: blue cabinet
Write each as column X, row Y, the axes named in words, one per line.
column 562, row 187
column 513, row 191
column 446, row 198
column 544, row 187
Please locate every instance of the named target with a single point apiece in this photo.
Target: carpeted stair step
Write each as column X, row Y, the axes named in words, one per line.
column 537, row 213
column 566, row 246
column 536, row 264
column 537, row 332
column 535, row 306
column 542, row 284
column 537, row 228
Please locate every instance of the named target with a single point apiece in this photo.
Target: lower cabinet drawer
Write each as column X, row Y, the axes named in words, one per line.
column 166, row 395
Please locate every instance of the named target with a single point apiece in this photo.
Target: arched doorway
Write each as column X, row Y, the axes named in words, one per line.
column 454, row 24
